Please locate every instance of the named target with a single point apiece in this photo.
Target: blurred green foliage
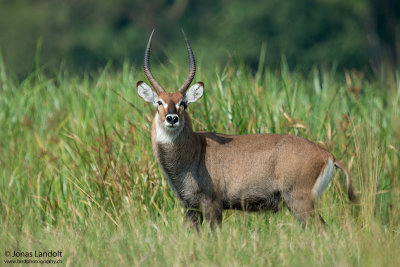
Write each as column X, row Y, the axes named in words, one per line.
column 83, row 35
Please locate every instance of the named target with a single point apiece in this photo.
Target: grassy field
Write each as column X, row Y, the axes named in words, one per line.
column 77, row 172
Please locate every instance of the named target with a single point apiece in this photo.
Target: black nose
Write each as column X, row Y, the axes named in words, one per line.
column 172, row 118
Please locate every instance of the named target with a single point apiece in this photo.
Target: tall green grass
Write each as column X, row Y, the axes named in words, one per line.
column 77, row 172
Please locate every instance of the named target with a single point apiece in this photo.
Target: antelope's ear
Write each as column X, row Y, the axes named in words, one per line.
column 194, row 93
column 146, row 93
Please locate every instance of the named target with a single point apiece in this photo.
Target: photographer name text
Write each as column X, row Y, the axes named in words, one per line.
column 34, row 254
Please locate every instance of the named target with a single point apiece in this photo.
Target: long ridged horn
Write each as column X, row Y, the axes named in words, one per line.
column 147, row 70
column 192, row 67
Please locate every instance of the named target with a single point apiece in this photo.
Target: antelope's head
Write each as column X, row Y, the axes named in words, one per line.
column 170, row 106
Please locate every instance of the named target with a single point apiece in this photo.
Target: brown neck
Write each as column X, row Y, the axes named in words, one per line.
column 175, row 155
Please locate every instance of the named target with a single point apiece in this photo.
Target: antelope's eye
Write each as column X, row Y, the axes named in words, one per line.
column 183, row 104
column 159, row 102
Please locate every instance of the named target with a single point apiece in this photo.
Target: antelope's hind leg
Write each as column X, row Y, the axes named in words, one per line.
column 300, row 199
column 301, row 205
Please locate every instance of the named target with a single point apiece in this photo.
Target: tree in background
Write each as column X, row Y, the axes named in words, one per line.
column 84, row 35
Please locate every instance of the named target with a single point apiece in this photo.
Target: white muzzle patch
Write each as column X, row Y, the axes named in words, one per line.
column 166, row 133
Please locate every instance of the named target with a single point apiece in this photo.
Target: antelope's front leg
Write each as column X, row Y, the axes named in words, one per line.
column 193, row 218
column 212, row 210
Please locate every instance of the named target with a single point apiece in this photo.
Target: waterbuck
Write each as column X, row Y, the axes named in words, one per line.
column 210, row 172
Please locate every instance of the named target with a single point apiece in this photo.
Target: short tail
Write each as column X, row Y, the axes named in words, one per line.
column 350, row 191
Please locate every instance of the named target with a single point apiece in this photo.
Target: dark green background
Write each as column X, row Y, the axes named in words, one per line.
column 84, row 35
